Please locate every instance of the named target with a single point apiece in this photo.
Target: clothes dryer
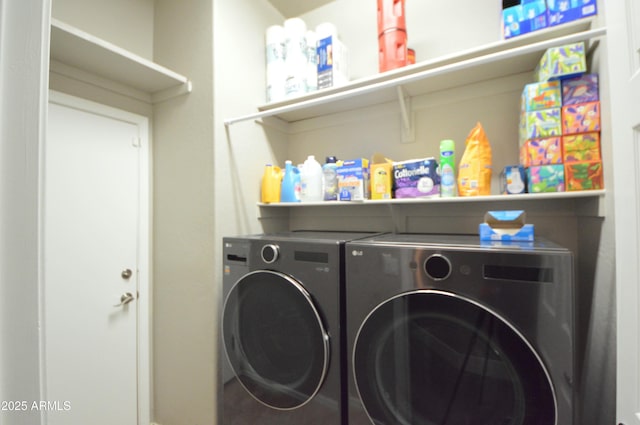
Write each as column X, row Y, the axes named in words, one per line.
column 445, row 330
column 281, row 329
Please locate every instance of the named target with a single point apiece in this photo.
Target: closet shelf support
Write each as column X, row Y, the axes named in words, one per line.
column 406, row 113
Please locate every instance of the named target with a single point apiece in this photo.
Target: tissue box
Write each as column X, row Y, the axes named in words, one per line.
column 513, row 180
column 543, row 123
column 546, row 178
column 524, row 18
column 562, row 62
column 581, row 147
column 416, row 178
column 505, row 226
column 381, row 177
column 353, row 180
column 524, row 154
column 544, row 151
column 581, row 89
column 544, row 95
column 563, row 11
column 584, row 175
column 582, row 118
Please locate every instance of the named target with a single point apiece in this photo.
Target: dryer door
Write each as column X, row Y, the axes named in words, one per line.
column 275, row 339
column 434, row 358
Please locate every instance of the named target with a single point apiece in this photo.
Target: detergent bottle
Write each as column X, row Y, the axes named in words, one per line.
column 271, row 181
column 290, row 191
column 311, row 180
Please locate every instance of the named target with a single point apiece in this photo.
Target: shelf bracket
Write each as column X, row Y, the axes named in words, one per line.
column 406, row 113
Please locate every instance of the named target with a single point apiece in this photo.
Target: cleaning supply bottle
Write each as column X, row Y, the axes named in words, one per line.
column 330, row 179
column 311, row 180
column 271, row 181
column 290, row 191
column 447, row 168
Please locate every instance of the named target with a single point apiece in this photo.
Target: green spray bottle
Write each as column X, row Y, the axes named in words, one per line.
column 447, row 168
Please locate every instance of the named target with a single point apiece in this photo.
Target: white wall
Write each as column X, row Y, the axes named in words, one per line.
column 184, row 295
column 125, row 23
column 23, row 84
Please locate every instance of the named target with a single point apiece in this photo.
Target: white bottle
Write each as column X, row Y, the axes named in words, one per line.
column 311, row 181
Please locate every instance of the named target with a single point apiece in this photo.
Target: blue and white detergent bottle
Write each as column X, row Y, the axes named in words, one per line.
column 290, row 191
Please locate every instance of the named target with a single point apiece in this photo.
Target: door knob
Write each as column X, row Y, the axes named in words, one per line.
column 125, row 299
column 126, row 273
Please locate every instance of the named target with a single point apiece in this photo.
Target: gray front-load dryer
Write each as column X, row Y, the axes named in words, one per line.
column 281, row 329
column 446, row 330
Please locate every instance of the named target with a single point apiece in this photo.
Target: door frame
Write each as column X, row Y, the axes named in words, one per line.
column 143, row 343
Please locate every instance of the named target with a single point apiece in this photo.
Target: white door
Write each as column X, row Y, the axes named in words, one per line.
column 623, row 41
column 95, row 265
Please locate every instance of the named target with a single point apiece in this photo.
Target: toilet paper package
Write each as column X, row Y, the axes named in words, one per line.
column 416, row 178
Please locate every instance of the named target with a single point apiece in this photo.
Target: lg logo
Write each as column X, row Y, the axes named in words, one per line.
column 357, row 253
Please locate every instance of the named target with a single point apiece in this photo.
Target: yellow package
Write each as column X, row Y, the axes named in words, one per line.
column 474, row 173
column 381, row 177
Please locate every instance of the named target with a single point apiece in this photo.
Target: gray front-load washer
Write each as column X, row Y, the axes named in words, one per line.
column 446, row 330
column 281, row 329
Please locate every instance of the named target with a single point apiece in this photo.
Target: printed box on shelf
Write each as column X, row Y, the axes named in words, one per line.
column 523, row 17
column 543, row 123
column 542, row 95
column 353, row 180
column 332, row 62
column 581, row 147
column 563, row 11
column 524, row 154
column 546, row 178
column 381, row 177
column 545, row 151
column 562, row 62
column 581, row 118
column 513, row 180
column 584, row 175
column 581, row 89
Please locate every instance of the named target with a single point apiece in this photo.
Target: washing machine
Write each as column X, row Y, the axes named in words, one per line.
column 283, row 343
column 446, row 330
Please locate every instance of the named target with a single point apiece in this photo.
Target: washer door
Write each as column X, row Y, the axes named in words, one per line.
column 275, row 340
column 434, row 358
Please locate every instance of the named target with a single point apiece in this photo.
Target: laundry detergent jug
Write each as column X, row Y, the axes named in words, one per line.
column 311, row 180
column 271, row 182
column 290, row 191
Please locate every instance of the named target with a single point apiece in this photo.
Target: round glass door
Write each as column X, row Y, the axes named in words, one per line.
column 434, row 358
column 275, row 339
